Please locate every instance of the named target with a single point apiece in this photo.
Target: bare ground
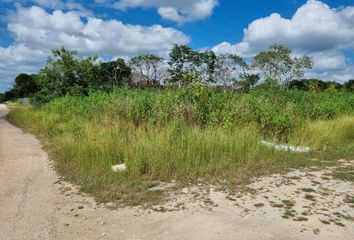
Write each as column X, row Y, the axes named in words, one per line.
column 306, row 204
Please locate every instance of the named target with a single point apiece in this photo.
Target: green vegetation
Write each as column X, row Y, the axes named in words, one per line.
column 198, row 117
column 68, row 74
column 187, row 135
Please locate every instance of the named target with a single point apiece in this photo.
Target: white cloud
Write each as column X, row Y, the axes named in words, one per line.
column 71, row 5
column 16, row 59
column 226, row 47
column 329, row 61
column 331, row 65
column 37, row 31
column 315, row 29
column 40, row 29
column 179, row 11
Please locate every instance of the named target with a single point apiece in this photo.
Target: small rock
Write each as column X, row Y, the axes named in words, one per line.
column 119, row 167
column 66, row 224
column 110, row 204
column 81, row 207
column 76, row 215
column 102, row 222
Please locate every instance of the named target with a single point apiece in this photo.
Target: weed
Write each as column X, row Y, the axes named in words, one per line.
column 310, row 197
column 300, row 219
column 349, row 199
column 308, row 190
column 258, row 205
column 325, row 222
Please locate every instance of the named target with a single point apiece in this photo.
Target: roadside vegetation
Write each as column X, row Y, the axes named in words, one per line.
column 200, row 118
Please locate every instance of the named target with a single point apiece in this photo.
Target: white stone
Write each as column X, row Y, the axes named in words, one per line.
column 284, row 147
column 119, row 167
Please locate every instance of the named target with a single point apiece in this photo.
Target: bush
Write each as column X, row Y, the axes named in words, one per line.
column 276, row 114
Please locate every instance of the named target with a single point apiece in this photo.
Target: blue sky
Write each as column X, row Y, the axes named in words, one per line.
column 123, row 28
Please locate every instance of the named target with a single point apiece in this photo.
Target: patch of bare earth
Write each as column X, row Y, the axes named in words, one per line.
column 306, row 204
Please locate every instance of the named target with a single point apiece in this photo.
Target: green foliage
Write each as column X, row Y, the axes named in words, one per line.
column 181, row 56
column 184, row 134
column 25, row 85
column 149, row 68
column 349, row 86
column 279, row 66
column 2, row 97
column 228, row 68
column 316, row 85
column 111, row 75
column 68, row 74
column 248, row 81
column 184, row 59
column 277, row 114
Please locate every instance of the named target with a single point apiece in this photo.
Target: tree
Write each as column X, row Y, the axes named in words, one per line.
column 113, row 74
column 184, row 59
column 228, row 68
column 2, row 97
column 205, row 65
column 65, row 73
column 349, row 86
column 279, row 66
column 150, row 68
column 248, row 81
column 180, row 57
column 25, row 85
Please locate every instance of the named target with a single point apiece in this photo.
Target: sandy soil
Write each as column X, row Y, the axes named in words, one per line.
column 27, row 196
column 307, row 204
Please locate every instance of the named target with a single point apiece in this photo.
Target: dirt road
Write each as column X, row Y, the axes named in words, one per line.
column 26, row 191
column 307, row 204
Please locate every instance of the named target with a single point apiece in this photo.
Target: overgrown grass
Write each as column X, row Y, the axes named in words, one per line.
column 184, row 136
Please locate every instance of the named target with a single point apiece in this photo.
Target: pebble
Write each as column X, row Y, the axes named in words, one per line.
column 110, row 204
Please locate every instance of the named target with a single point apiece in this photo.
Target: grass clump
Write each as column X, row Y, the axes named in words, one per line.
column 310, row 197
column 349, row 199
column 344, row 173
column 308, row 190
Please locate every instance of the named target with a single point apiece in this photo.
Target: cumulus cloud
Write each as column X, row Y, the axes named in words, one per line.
column 71, row 5
column 18, row 58
column 37, row 31
column 315, row 29
column 179, row 11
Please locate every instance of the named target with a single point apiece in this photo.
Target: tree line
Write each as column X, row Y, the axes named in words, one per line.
column 68, row 74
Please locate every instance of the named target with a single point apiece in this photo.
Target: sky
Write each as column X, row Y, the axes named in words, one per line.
column 29, row 29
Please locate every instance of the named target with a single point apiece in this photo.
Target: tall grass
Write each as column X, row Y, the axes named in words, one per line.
column 165, row 135
column 276, row 114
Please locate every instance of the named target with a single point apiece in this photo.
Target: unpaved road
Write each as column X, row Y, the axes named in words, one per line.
column 26, row 191
column 278, row 207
